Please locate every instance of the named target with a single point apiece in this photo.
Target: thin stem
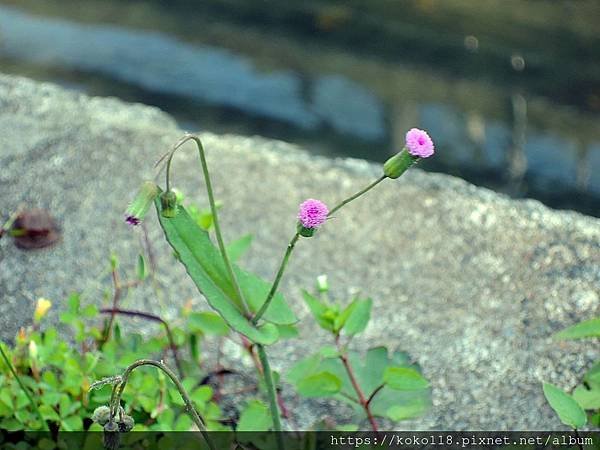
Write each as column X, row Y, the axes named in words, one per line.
column 361, row 396
column 213, row 210
column 184, row 395
column 275, row 285
column 375, row 392
column 358, row 194
column 264, row 361
column 154, row 318
column 23, row 388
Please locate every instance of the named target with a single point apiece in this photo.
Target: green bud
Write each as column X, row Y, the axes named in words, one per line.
column 101, row 415
column 306, row 232
column 168, row 201
column 398, row 164
column 126, row 424
column 141, row 203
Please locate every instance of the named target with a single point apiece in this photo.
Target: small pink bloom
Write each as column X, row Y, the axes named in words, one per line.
column 419, row 143
column 312, row 213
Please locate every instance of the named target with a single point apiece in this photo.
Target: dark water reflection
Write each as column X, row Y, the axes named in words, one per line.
column 514, row 150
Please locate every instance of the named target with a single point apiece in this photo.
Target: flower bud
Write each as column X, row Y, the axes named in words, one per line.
column 101, row 415
column 398, row 164
column 168, row 202
column 33, row 350
column 141, row 203
column 126, row 424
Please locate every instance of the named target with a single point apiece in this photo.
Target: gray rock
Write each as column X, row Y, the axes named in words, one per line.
column 471, row 283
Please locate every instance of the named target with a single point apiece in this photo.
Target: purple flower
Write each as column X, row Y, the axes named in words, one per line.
column 312, row 213
column 418, row 143
column 131, row 220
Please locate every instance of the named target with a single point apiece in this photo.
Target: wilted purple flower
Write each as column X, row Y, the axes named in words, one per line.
column 141, row 203
column 418, row 143
column 312, row 213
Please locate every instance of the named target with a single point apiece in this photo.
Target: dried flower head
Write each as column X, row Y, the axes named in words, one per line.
column 312, row 213
column 141, row 203
column 418, row 143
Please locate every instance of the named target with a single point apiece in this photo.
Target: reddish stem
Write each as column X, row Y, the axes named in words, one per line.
column 362, row 400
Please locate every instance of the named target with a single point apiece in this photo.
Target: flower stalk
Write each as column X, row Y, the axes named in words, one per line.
column 119, row 388
column 272, row 393
column 213, row 210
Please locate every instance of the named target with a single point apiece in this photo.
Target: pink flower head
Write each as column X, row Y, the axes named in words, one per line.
column 419, row 143
column 312, row 213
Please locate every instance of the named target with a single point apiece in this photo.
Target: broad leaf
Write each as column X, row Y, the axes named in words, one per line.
column 587, row 399
column 208, row 323
column 205, row 266
column 255, row 417
column 569, row 411
column 404, row 379
column 321, row 384
column 588, row 328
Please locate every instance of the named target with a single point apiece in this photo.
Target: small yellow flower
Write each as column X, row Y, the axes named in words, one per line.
column 42, row 307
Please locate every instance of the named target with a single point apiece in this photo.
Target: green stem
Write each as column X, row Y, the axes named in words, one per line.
column 262, row 354
column 358, row 194
column 275, row 285
column 116, row 400
column 213, row 210
column 23, row 388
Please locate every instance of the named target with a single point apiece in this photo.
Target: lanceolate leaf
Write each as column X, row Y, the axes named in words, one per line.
column 205, row 266
column 588, row 328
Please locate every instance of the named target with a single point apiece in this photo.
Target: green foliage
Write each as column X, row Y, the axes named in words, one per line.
column 60, row 374
column 588, row 328
column 207, row 269
column 568, row 410
column 586, row 394
column 391, row 385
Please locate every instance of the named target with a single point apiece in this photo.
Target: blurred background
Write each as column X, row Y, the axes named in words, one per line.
column 509, row 89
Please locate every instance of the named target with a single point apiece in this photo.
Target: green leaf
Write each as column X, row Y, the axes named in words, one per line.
column 255, row 417
column 404, row 379
column 73, row 303
column 208, row 323
column 48, row 413
column 205, row 266
column 408, row 411
column 72, row 423
column 318, row 310
column 587, row 398
column 141, row 268
column 588, row 328
column 236, row 249
column 359, row 316
column 568, row 410
column 321, row 384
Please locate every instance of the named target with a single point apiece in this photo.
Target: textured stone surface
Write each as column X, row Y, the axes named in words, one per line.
column 471, row 283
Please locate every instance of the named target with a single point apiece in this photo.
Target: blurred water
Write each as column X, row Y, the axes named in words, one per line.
column 330, row 111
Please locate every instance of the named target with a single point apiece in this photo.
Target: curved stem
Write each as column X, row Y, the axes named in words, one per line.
column 275, row 285
column 23, row 388
column 355, row 196
column 272, row 394
column 213, row 210
column 116, row 400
